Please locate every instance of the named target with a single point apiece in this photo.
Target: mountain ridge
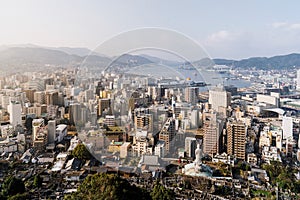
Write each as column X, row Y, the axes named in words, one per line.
column 36, row 55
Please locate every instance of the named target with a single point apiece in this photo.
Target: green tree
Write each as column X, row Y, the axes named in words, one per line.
column 37, row 181
column 159, row 192
column 19, row 197
column 107, row 187
column 281, row 175
column 12, row 186
column 81, row 152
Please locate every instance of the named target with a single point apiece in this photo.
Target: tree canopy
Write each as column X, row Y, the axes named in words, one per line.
column 37, row 181
column 283, row 176
column 81, row 152
column 107, row 186
column 159, row 192
column 12, row 186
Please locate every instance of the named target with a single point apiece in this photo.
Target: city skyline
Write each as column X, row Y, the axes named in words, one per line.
column 232, row 30
column 149, row 100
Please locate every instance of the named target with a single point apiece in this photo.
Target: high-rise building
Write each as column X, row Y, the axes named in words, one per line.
column 15, row 112
column 159, row 149
column 287, row 127
column 236, row 139
column 88, row 95
column 167, row 134
column 104, row 105
column 30, row 95
column 37, row 125
column 61, row 132
column 190, row 146
column 212, row 129
column 51, row 131
column 51, row 98
column 219, row 98
column 191, row 94
column 75, row 113
column 195, row 121
column 4, row 100
column 39, row 97
column 143, row 121
column 160, row 92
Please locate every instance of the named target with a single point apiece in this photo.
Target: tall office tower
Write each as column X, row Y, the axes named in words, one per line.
column 167, row 134
column 287, row 127
column 84, row 114
column 298, row 80
column 104, row 105
column 15, row 113
column 51, row 97
column 236, row 139
column 195, row 121
column 160, row 92
column 190, row 146
column 99, row 88
column 37, row 124
column 88, row 95
column 39, row 97
column 191, row 94
column 151, row 92
column 30, row 95
column 51, row 131
column 75, row 113
column 61, row 99
column 219, row 98
column 4, row 100
column 212, row 128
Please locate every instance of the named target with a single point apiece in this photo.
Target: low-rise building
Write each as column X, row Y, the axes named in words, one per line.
column 142, row 144
column 224, row 158
column 252, row 159
column 270, row 154
column 124, row 150
column 159, row 149
column 61, row 132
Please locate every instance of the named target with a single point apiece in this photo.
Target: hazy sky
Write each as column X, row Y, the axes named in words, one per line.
column 227, row 29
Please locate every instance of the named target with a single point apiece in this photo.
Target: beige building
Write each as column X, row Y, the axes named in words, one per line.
column 236, row 139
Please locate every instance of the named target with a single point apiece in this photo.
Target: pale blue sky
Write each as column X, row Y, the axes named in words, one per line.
column 228, row 29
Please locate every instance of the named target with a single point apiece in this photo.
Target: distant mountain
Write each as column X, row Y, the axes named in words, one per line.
column 79, row 51
column 160, row 60
column 275, row 62
column 220, row 61
column 204, row 62
column 34, row 57
column 29, row 55
column 18, row 59
column 134, row 60
column 74, row 51
column 12, row 57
